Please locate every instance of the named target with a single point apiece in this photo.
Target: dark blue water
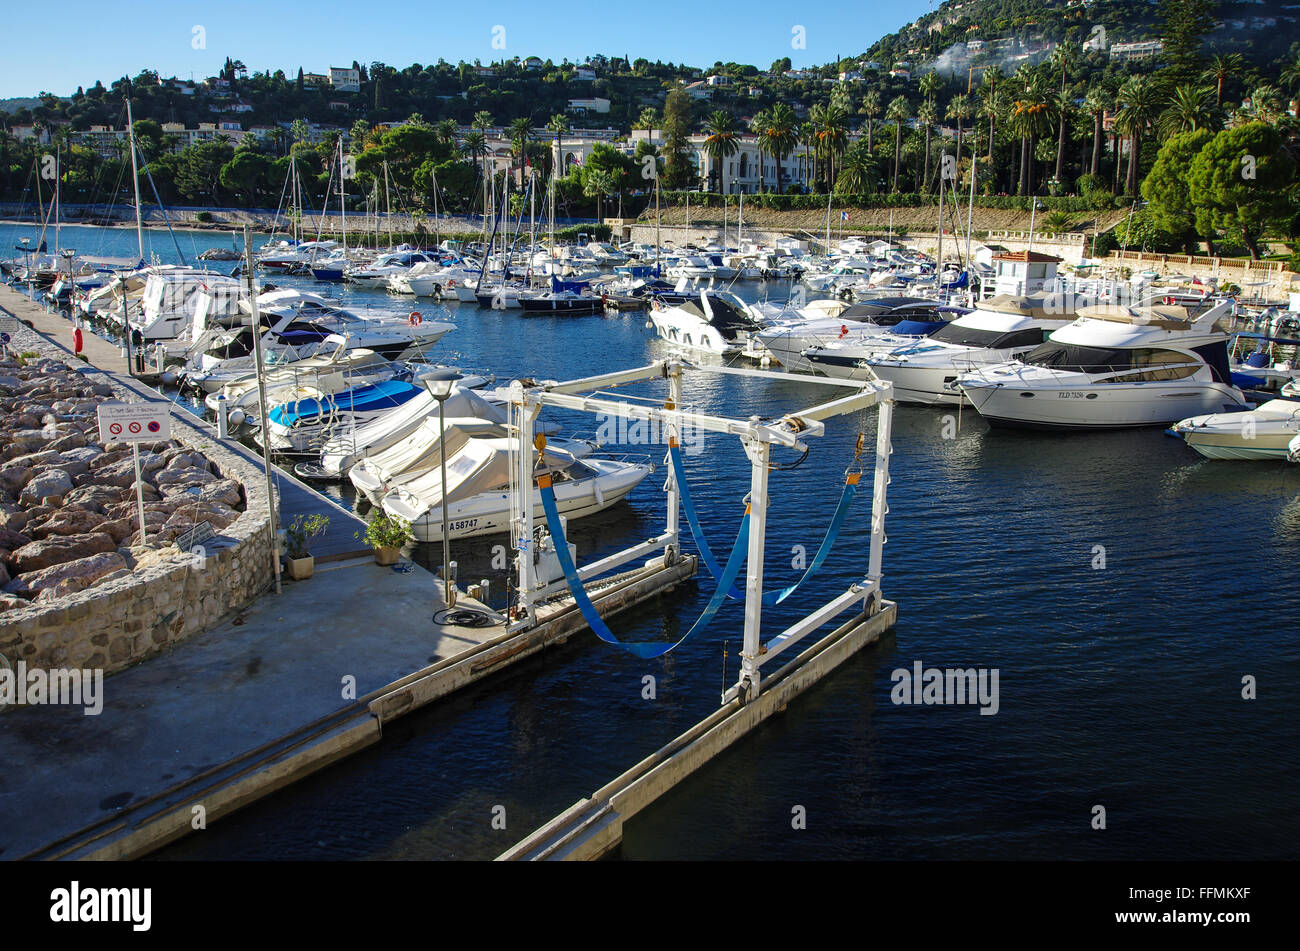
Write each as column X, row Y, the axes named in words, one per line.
column 1119, row 686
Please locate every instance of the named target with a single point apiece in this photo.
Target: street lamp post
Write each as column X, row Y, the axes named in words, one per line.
column 440, row 390
column 1032, row 211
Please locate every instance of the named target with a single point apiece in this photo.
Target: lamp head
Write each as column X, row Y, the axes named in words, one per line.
column 439, row 389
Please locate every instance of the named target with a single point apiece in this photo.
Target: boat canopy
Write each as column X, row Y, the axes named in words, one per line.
column 372, row 396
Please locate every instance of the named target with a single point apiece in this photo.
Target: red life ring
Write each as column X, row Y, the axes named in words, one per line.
column 76, row 340
column 415, row 319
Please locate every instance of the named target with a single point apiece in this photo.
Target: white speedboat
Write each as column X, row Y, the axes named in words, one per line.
column 718, row 322
column 1113, row 367
column 411, row 458
column 378, row 273
column 345, row 449
column 478, row 489
column 1265, row 432
column 823, row 322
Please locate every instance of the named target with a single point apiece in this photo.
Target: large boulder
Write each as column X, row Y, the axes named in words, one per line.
column 68, row 521
column 51, row 482
column 185, row 477
column 33, row 460
column 226, row 492
column 11, row 539
column 71, row 575
column 95, row 497
column 13, row 478
column 58, row 550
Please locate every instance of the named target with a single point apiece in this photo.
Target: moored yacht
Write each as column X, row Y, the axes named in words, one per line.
column 1113, row 367
column 716, row 322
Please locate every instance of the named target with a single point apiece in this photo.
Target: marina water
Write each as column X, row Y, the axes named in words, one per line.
column 1120, row 584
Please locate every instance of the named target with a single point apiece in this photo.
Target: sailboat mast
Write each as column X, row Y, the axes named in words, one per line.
column 658, row 224
column 970, row 214
column 343, row 205
column 388, row 205
column 135, row 180
column 938, row 266
column 58, row 208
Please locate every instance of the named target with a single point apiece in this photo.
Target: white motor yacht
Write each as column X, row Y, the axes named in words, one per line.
column 716, row 322
column 1114, row 367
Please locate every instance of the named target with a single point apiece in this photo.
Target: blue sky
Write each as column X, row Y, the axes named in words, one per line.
column 83, row 41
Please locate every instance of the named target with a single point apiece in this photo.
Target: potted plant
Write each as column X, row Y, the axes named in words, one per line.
column 298, row 538
column 386, row 534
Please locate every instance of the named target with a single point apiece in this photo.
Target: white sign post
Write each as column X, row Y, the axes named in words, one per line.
column 8, row 325
column 135, row 423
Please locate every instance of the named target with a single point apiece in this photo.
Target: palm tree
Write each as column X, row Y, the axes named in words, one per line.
column 1222, row 68
column 721, row 142
column 898, row 113
column 757, row 125
column 992, row 103
column 559, row 124
column 1030, row 119
column 926, row 114
column 929, row 84
column 871, row 108
column 1140, row 102
column 447, row 130
column 858, row 173
column 1095, row 103
column 832, row 137
column 519, row 133
column 960, row 108
column 1063, row 105
column 474, row 145
column 1266, row 103
column 808, row 139
column 481, row 121
column 1189, row 109
column 779, row 136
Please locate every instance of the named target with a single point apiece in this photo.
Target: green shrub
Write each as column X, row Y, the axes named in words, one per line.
column 203, row 216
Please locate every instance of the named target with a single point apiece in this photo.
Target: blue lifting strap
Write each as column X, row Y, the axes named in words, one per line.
column 644, row 649
column 780, row 594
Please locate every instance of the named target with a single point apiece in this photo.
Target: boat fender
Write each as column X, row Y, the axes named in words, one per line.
column 415, row 319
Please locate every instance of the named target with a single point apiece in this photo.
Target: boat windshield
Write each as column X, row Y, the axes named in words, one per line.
column 1076, row 359
column 988, row 339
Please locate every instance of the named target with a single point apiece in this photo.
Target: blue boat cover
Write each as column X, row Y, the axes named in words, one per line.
column 917, row 328
column 576, row 287
column 387, row 393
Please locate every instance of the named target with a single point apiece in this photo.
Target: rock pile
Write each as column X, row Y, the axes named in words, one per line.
column 68, row 511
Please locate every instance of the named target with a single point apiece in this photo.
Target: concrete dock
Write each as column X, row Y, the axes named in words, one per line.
column 286, row 687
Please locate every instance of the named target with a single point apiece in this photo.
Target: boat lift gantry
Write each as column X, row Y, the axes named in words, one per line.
column 757, row 438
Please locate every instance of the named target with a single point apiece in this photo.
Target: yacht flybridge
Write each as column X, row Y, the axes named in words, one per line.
column 1113, row 367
